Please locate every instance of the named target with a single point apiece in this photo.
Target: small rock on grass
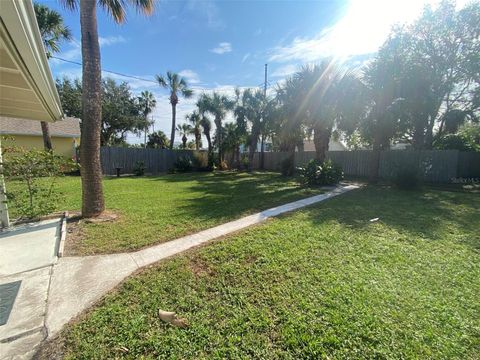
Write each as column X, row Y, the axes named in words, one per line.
column 171, row 318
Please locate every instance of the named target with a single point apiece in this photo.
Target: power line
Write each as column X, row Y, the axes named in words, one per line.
column 264, row 85
column 107, row 71
column 266, row 81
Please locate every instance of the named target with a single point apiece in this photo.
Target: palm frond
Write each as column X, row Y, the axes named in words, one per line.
column 161, row 81
column 144, row 6
column 187, row 93
column 69, row 4
column 116, row 9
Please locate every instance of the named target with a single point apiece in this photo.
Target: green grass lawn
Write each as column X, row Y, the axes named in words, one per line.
column 323, row 282
column 158, row 209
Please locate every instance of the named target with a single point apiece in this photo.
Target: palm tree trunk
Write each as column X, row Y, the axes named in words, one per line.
column 375, row 164
column 145, row 137
column 47, row 141
column 197, row 138
column 184, row 141
column 321, row 138
column 92, row 193
column 418, row 140
column 172, row 134
column 238, row 156
column 218, row 123
column 252, row 149
column 301, row 146
column 209, row 141
column 262, row 153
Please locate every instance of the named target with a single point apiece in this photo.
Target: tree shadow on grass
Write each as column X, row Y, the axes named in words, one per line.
column 429, row 214
column 229, row 195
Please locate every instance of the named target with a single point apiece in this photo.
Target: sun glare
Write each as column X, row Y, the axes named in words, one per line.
column 366, row 23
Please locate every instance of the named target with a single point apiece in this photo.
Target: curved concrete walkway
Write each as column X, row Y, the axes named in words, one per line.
column 78, row 282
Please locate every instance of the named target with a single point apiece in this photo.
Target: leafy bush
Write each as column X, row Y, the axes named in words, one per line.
column 330, row 173
column 309, row 173
column 287, row 166
column 407, row 178
column 36, row 172
column 326, row 173
column 467, row 138
column 183, row 164
column 244, row 161
column 139, row 168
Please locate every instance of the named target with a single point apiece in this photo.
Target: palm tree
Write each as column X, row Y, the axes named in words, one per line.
column 157, row 140
column 52, row 28
column 206, row 124
column 217, row 105
column 382, row 91
column 176, row 85
column 231, row 141
column 194, row 118
column 184, row 129
column 93, row 203
column 147, row 103
column 326, row 101
column 53, row 31
column 289, row 127
column 250, row 109
column 318, row 102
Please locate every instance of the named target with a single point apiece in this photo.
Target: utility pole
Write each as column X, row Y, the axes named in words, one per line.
column 145, row 137
column 265, row 83
column 262, row 143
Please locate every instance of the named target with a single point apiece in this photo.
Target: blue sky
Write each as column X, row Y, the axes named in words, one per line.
column 217, row 45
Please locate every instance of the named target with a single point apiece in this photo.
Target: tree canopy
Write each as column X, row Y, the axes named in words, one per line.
column 122, row 112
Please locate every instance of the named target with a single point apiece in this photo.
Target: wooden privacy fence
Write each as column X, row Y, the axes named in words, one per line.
column 434, row 165
column 155, row 160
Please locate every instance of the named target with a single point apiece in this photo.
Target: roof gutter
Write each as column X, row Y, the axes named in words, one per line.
column 24, row 41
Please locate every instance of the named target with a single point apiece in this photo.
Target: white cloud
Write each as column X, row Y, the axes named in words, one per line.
column 362, row 30
column 191, row 76
column 111, row 40
column 245, row 57
column 222, row 48
column 209, row 11
column 286, row 70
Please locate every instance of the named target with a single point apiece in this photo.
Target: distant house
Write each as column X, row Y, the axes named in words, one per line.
column 65, row 134
column 333, row 145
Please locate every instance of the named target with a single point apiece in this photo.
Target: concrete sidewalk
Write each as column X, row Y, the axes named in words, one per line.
column 76, row 283
column 27, row 255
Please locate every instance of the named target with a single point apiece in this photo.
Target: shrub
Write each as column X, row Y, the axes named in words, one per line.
column 139, row 168
column 183, row 164
column 200, row 161
column 287, row 166
column 244, row 162
column 330, row 173
column 467, row 138
column 223, row 165
column 36, row 172
column 211, row 161
column 407, row 179
column 309, row 173
column 326, row 173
